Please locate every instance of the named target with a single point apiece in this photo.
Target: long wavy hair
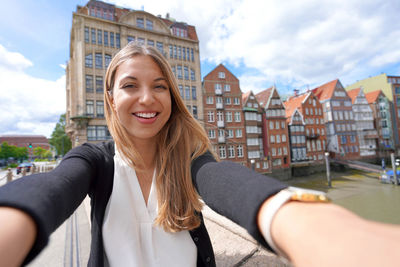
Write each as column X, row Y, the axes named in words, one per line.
column 180, row 141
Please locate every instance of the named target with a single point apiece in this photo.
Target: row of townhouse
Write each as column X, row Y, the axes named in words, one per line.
column 265, row 133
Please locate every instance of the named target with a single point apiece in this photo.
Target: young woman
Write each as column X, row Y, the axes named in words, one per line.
column 146, row 186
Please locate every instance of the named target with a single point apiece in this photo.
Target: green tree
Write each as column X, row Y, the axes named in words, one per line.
column 59, row 139
column 41, row 152
column 9, row 151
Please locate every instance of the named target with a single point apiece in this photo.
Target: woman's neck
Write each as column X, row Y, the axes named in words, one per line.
column 147, row 150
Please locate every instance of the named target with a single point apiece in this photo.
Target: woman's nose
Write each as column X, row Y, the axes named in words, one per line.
column 146, row 96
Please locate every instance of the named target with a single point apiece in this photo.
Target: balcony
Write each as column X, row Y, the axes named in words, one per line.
column 312, row 136
column 221, row 139
column 220, row 106
column 370, row 134
column 220, row 124
column 218, row 91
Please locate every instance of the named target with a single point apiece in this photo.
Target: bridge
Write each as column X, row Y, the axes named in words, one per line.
column 358, row 165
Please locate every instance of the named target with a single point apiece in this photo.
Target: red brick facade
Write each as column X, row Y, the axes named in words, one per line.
column 223, row 116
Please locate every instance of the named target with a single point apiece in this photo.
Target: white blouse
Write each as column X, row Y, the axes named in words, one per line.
column 129, row 236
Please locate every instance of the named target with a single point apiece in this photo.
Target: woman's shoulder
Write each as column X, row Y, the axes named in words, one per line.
column 93, row 151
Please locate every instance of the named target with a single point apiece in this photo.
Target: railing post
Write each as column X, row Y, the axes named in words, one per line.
column 394, row 167
column 328, row 170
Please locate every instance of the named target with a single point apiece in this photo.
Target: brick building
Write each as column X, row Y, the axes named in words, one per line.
column 223, row 115
column 381, row 108
column 310, row 109
column 341, row 135
column 364, row 119
column 28, row 141
column 99, row 30
column 390, row 86
column 276, row 141
column 253, row 119
column 297, row 135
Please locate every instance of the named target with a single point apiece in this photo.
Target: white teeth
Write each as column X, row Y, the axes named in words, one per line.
column 146, row 115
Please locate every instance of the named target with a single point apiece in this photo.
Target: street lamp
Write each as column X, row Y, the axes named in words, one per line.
column 253, row 162
column 328, row 172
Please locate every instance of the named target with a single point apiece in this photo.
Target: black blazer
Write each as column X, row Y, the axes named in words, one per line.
column 50, row 198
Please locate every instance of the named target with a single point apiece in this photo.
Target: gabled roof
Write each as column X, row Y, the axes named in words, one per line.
column 353, row 94
column 219, row 67
column 372, row 97
column 263, row 97
column 245, row 96
column 294, row 103
column 325, row 91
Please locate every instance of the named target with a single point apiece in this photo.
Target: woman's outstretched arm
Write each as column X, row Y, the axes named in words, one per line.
column 18, row 232
column 320, row 234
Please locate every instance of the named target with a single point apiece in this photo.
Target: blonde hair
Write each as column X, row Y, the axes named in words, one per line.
column 180, row 141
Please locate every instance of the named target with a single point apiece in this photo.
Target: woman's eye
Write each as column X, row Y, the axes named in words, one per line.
column 163, row 87
column 128, row 86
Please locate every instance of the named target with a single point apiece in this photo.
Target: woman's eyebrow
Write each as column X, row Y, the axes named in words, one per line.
column 160, row 79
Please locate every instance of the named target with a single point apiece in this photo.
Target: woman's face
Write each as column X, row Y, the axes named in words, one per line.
column 141, row 98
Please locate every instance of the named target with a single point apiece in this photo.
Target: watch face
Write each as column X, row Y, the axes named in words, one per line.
column 308, row 195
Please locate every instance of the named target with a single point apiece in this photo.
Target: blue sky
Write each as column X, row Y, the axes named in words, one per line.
column 293, row 44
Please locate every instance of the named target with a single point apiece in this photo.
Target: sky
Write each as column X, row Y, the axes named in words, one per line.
column 293, row 44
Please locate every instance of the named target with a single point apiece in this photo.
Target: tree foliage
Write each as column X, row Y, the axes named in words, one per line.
column 9, row 151
column 41, row 152
column 59, row 139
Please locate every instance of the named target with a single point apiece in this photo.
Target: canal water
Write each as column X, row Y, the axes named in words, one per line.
column 358, row 191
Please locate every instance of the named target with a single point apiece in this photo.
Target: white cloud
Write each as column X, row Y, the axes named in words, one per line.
column 28, row 105
column 13, row 60
column 293, row 42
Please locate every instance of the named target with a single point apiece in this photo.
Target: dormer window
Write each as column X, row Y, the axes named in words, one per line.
column 221, row 75
column 149, row 24
column 140, row 23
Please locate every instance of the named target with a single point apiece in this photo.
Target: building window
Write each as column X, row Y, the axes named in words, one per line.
column 140, row 23
column 99, row 60
column 130, row 39
column 107, row 60
column 179, row 52
column 230, row 133
column 186, row 72
column 175, row 54
column 89, row 108
column 105, row 38
column 227, row 87
column 211, row 134
column 184, row 53
column 160, row 47
column 149, row 24
column 272, row 139
column 89, row 60
column 221, row 75
column 227, row 100
column 192, row 75
column 101, row 133
column 187, row 92
column 236, row 101
column 91, row 133
column 180, row 90
column 195, row 112
column 240, row 151
column 222, row 152
column 192, row 54
column 194, row 94
column 179, row 67
column 118, row 40
column 99, row 37
column 210, row 116
column 238, row 133
column 283, row 138
column 237, row 116
column 150, row 43
column 228, row 116
column 93, row 36
column 171, row 55
column 210, row 100
column 86, row 35
column 89, row 83
column 231, row 151
column 111, row 39
column 99, row 84
column 100, row 108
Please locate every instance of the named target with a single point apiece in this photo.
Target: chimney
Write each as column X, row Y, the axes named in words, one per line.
column 296, row 92
column 167, row 16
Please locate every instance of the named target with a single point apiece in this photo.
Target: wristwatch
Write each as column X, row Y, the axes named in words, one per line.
column 289, row 194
